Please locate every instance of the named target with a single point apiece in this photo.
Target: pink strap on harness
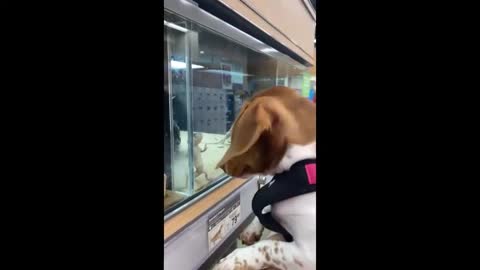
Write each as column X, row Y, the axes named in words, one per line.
column 311, row 170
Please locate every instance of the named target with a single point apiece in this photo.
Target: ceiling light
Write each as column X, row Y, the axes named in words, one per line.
column 174, row 26
column 267, row 50
column 181, row 65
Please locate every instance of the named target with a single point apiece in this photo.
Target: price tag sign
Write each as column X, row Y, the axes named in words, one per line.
column 222, row 222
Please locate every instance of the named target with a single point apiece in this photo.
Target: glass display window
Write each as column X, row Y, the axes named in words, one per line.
column 208, row 77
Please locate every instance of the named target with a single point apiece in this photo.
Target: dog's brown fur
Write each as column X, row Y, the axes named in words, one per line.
column 266, row 124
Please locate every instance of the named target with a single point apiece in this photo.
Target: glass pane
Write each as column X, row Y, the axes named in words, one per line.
column 282, row 74
column 224, row 75
column 208, row 78
column 176, row 111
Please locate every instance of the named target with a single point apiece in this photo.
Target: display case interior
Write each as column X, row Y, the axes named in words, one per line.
column 208, row 76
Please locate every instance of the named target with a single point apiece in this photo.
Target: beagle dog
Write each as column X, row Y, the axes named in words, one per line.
column 275, row 134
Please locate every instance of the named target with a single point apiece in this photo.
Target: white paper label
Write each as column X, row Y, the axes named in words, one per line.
column 222, row 222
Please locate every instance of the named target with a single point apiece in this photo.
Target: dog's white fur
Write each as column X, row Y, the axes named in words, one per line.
column 297, row 215
column 294, row 154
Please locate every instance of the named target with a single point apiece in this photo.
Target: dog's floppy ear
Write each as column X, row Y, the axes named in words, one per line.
column 251, row 122
column 265, row 115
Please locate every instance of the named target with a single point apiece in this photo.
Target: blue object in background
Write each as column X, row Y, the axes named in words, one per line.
column 311, row 94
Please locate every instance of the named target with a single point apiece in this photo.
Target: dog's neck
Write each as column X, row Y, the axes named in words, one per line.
column 294, row 154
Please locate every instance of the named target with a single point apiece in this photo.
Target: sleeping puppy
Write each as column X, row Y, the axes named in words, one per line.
column 275, row 134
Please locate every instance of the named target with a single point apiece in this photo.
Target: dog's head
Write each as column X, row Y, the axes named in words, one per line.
column 266, row 125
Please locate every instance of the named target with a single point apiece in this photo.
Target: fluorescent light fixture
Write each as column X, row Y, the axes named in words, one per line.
column 267, row 50
column 174, row 26
column 233, row 73
column 181, row 65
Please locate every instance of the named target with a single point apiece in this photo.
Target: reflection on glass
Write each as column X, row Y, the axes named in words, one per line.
column 207, row 79
column 229, row 75
column 176, row 141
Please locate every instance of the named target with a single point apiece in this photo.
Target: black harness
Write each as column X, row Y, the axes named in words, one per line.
column 299, row 180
